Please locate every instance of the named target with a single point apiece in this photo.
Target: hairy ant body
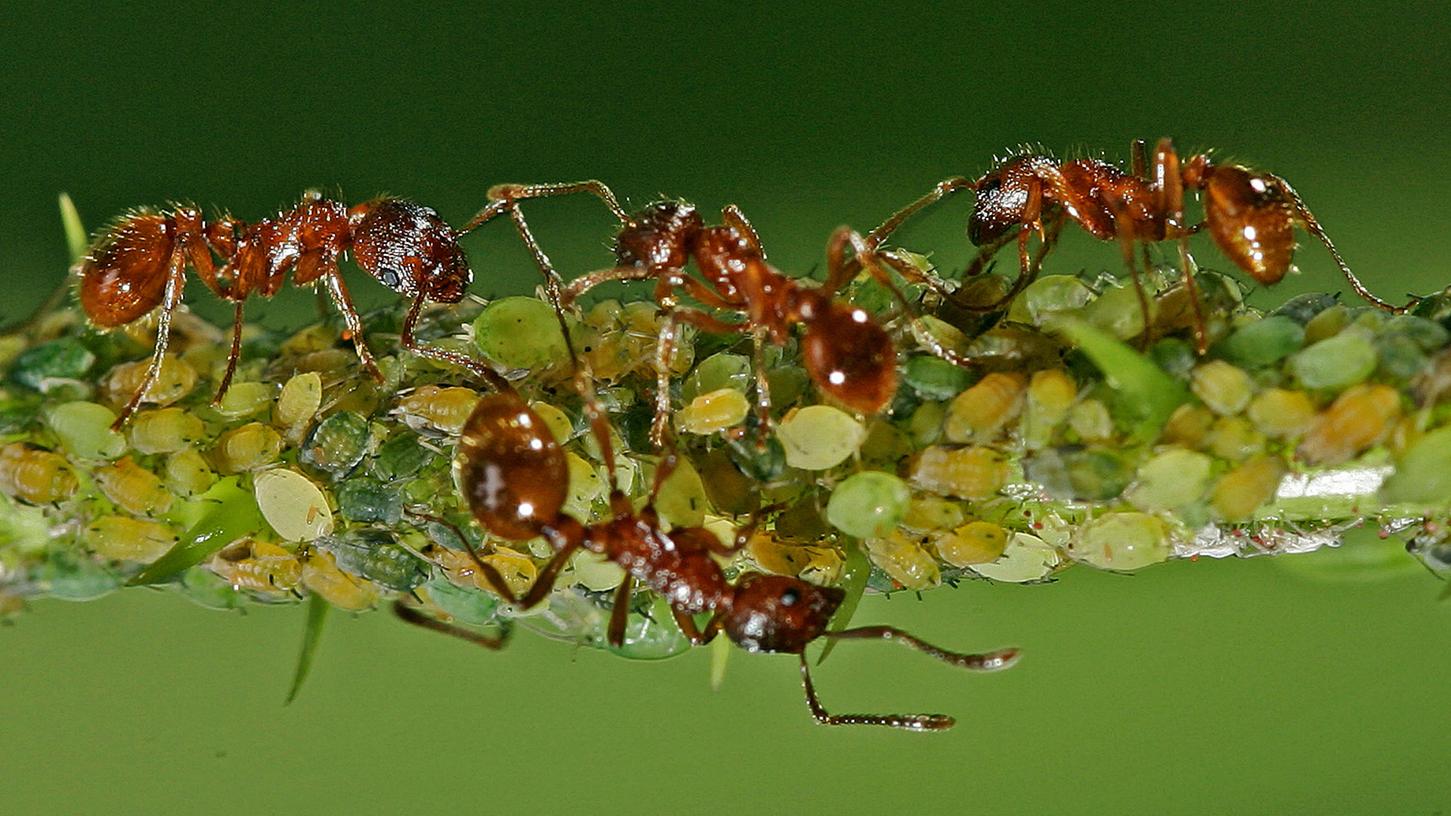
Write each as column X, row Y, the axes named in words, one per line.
column 515, row 480
column 140, row 263
column 1250, row 214
column 846, row 352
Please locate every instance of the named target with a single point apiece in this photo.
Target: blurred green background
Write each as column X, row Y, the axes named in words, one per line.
column 1245, row 687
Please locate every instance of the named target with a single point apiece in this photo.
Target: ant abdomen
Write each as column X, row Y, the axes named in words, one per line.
column 1252, row 219
column 408, row 248
column 513, row 472
column 125, row 277
column 850, row 358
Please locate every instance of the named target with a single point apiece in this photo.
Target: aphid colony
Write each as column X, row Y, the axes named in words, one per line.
column 918, row 432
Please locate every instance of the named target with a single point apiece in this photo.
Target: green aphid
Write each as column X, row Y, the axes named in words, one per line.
column 521, row 332
column 374, row 554
column 1263, row 342
column 1301, row 308
column 1401, row 357
column 74, row 577
column 934, row 378
column 869, row 504
column 364, row 500
column 337, row 444
column 1080, row 474
column 400, row 457
column 1175, row 356
column 49, row 364
column 715, row 372
column 466, row 607
column 761, row 464
column 1428, row 335
column 1335, row 363
column 205, row 588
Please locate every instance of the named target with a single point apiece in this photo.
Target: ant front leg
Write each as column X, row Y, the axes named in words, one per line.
column 416, row 617
column 943, row 189
column 665, row 349
column 464, row 361
column 736, row 220
column 620, row 612
column 695, row 635
column 503, row 197
column 232, row 356
column 353, row 324
column 1168, row 184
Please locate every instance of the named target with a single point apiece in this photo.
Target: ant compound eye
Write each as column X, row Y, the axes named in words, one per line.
column 790, row 597
column 389, row 278
column 991, row 185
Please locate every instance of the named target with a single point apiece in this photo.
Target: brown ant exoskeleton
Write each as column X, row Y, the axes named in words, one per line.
column 1250, row 214
column 515, row 480
column 845, row 351
column 140, row 263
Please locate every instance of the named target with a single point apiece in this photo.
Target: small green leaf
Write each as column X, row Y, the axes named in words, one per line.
column 76, row 240
column 232, row 514
column 317, row 610
column 854, row 573
column 1149, row 394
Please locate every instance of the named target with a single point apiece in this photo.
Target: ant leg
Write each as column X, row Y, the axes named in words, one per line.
column 590, row 280
column 412, row 615
column 620, row 612
column 986, row 254
column 553, row 283
column 909, row 722
column 835, row 255
column 1122, row 225
column 763, row 388
column 1168, row 182
column 170, row 299
column 353, row 324
column 1139, row 153
column 736, row 220
column 943, row 189
column 664, row 350
column 233, row 356
column 1312, row 225
column 464, row 361
column 694, row 634
column 502, row 197
column 987, row 661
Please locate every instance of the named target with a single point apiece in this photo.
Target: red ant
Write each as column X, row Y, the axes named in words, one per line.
column 140, row 263
column 846, row 353
column 1250, row 214
column 515, row 479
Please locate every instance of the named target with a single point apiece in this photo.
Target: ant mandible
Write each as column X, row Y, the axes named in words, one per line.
column 140, row 263
column 515, row 480
column 1250, row 214
column 846, row 352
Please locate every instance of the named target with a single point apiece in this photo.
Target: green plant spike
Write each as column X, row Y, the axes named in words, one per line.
column 317, row 613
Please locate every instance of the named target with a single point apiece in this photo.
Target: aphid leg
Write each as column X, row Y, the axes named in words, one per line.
column 941, row 190
column 416, row 617
column 620, row 612
column 1169, row 186
column 1312, row 225
column 694, row 634
column 483, row 370
column 909, row 722
column 736, row 220
column 353, row 324
column 836, row 261
column 232, row 356
column 171, row 298
column 986, row 661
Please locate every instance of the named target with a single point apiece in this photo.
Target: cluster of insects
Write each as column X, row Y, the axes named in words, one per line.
column 512, row 469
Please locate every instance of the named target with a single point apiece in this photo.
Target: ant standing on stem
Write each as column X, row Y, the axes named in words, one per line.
column 846, row 352
column 140, row 262
column 1250, row 214
column 515, row 479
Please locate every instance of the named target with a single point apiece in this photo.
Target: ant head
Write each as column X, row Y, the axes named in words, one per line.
column 661, row 235
column 773, row 613
column 410, row 250
column 849, row 356
column 510, row 468
column 1002, row 200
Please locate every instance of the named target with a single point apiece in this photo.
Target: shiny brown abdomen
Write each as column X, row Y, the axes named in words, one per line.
column 1252, row 218
column 125, row 278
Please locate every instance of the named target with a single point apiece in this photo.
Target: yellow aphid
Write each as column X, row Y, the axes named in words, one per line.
column 244, row 399
column 977, row 542
column 187, row 473
column 164, row 430
column 978, row 413
column 133, row 488
column 294, row 506
column 932, row 513
column 320, row 574
column 904, row 560
column 1234, row 438
column 1224, row 387
column 1280, row 413
column 817, row 564
column 713, row 412
column 555, row 420
column 1356, row 421
column 326, row 361
column 249, row 447
column 35, row 476
column 1051, row 393
column 443, row 409
column 316, row 337
column 257, row 566
column 594, row 572
column 176, row 379
column 818, row 437
column 1091, row 420
column 517, row 569
column 127, row 539
column 968, row 473
column 1248, row 487
column 299, row 401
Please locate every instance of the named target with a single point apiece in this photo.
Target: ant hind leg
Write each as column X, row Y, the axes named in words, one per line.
column 414, row 616
column 171, row 298
column 908, row 722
